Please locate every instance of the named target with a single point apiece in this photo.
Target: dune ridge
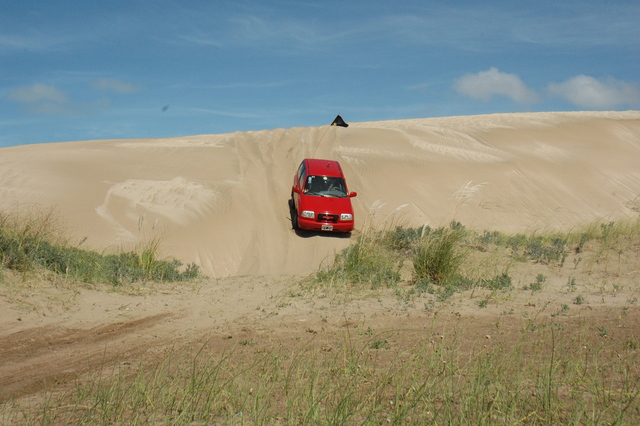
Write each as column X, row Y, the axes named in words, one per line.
column 221, row 201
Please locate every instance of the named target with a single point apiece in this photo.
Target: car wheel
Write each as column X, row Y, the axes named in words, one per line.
column 294, row 218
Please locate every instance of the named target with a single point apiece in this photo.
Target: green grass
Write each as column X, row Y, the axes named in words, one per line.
column 550, row 371
column 537, row 285
column 368, row 261
column 544, row 376
column 440, row 257
column 31, row 243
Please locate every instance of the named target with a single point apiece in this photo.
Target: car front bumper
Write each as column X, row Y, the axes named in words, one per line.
column 314, row 225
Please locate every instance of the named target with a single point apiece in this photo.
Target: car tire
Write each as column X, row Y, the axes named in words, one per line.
column 294, row 217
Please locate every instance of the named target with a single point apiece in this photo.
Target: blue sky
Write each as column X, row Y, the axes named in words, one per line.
column 78, row 70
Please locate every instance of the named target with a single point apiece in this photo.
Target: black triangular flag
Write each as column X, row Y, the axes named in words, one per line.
column 339, row 122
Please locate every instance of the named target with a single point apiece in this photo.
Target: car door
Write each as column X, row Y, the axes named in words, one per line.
column 301, row 175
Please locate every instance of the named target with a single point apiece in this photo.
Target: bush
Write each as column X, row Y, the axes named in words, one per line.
column 492, row 237
column 404, row 240
column 539, row 250
column 499, row 282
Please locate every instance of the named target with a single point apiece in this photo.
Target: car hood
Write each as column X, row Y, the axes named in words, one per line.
column 326, row 204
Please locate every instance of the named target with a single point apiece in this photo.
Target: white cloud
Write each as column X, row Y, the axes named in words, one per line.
column 38, row 93
column 15, row 42
column 41, row 99
column 486, row 84
column 587, row 92
column 115, row 85
column 48, row 100
column 282, row 33
column 36, row 42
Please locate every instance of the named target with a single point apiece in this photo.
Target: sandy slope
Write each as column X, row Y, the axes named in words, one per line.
column 221, row 201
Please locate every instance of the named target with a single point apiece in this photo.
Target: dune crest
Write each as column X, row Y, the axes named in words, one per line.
column 221, row 201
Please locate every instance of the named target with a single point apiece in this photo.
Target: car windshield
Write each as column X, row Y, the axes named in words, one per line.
column 325, row 186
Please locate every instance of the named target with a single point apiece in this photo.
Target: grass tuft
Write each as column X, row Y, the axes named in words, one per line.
column 439, row 257
column 367, row 261
column 30, row 243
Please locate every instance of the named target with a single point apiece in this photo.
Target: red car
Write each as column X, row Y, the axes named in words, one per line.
column 320, row 198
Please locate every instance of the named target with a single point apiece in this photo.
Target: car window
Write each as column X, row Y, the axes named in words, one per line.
column 325, row 186
column 301, row 171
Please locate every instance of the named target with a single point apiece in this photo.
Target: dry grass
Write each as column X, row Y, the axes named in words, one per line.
column 558, row 345
column 32, row 243
column 549, row 372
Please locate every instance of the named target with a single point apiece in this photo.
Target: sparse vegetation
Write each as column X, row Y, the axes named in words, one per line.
column 367, row 261
column 538, row 371
column 404, row 240
column 544, row 375
column 440, row 256
column 537, row 285
column 32, row 243
column 499, row 282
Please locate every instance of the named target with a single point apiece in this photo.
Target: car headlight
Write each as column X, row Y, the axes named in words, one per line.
column 308, row 214
column 346, row 216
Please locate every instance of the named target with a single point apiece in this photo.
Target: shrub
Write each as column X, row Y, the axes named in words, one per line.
column 492, row 237
column 537, row 285
column 499, row 282
column 539, row 250
column 404, row 240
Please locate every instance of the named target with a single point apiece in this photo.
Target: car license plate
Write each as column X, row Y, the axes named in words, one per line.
column 327, row 227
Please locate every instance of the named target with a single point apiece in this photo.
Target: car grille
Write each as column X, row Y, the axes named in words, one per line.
column 328, row 217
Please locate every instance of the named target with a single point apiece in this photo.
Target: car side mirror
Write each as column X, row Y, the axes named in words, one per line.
column 352, row 194
column 296, row 190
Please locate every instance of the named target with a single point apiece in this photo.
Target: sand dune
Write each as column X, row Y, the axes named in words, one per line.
column 221, row 201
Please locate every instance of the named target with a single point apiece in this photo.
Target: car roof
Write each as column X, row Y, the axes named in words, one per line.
column 320, row 167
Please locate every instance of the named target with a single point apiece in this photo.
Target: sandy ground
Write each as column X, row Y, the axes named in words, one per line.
column 55, row 335
column 221, row 201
